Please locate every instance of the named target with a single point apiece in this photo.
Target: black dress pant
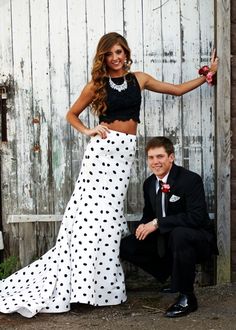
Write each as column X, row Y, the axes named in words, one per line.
column 185, row 247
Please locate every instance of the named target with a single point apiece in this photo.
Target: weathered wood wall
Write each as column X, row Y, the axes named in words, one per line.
column 233, row 128
column 46, row 51
column 223, row 143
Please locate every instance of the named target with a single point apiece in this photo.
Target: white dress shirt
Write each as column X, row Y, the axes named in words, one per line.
column 164, row 180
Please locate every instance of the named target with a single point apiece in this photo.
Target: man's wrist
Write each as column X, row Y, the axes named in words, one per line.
column 155, row 223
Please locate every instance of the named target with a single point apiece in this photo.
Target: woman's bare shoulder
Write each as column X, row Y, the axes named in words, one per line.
column 142, row 78
column 89, row 89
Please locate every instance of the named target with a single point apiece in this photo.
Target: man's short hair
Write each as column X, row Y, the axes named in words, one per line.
column 160, row 141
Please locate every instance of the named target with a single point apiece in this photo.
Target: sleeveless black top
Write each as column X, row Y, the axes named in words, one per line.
column 122, row 105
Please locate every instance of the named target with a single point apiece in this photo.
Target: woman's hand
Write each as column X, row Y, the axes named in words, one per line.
column 98, row 130
column 214, row 61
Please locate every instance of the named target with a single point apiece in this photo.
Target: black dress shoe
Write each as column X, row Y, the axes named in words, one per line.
column 185, row 304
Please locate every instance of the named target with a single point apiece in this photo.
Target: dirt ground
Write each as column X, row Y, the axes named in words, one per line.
column 143, row 310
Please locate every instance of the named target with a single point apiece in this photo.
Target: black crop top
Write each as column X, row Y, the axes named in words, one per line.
column 122, row 105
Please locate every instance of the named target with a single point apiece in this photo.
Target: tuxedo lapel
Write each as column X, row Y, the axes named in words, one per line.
column 166, row 201
column 171, row 181
column 152, row 191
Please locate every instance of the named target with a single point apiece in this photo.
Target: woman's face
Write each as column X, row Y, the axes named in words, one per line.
column 115, row 59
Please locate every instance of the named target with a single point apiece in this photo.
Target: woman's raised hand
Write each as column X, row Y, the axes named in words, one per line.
column 214, row 61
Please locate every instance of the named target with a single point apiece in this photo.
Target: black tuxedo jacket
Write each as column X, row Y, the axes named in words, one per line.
column 185, row 204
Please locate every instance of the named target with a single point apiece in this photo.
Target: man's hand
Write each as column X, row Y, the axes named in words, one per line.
column 144, row 230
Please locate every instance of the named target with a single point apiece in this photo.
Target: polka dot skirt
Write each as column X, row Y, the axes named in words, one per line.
column 84, row 265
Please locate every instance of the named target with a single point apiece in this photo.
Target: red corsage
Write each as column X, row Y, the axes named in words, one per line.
column 203, row 71
column 210, row 75
column 211, row 78
column 165, row 188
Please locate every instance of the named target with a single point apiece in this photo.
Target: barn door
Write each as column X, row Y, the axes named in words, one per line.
column 46, row 52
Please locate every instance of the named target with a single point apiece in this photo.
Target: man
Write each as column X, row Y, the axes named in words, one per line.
column 175, row 232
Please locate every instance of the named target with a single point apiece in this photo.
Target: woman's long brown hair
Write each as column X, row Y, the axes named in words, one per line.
column 99, row 68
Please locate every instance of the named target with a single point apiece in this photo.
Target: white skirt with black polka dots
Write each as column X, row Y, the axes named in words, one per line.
column 84, row 265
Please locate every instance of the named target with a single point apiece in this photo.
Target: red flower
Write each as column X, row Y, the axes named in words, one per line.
column 210, row 75
column 203, row 71
column 210, row 78
column 165, row 188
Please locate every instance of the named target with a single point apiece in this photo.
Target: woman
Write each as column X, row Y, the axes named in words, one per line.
column 84, row 264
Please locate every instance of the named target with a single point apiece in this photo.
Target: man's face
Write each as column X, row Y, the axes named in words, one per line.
column 159, row 162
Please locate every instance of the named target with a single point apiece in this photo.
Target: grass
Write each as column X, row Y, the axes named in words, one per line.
column 8, row 267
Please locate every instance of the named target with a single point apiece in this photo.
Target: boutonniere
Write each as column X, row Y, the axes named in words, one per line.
column 165, row 188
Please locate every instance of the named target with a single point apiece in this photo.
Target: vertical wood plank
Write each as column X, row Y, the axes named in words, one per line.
column 192, row 134
column 153, row 65
column 46, row 233
column 233, row 142
column 171, row 47
column 6, row 41
column 27, row 243
column 95, row 30
column 24, row 114
column 207, row 103
column 114, row 16
column 59, row 85
column 8, row 149
column 23, row 104
column 223, row 142
column 133, row 31
column 78, row 52
column 41, row 121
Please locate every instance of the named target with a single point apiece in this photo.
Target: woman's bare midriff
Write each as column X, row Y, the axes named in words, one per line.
column 128, row 126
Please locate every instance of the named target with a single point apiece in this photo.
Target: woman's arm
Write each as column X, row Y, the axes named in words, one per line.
column 83, row 101
column 148, row 82
column 154, row 85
